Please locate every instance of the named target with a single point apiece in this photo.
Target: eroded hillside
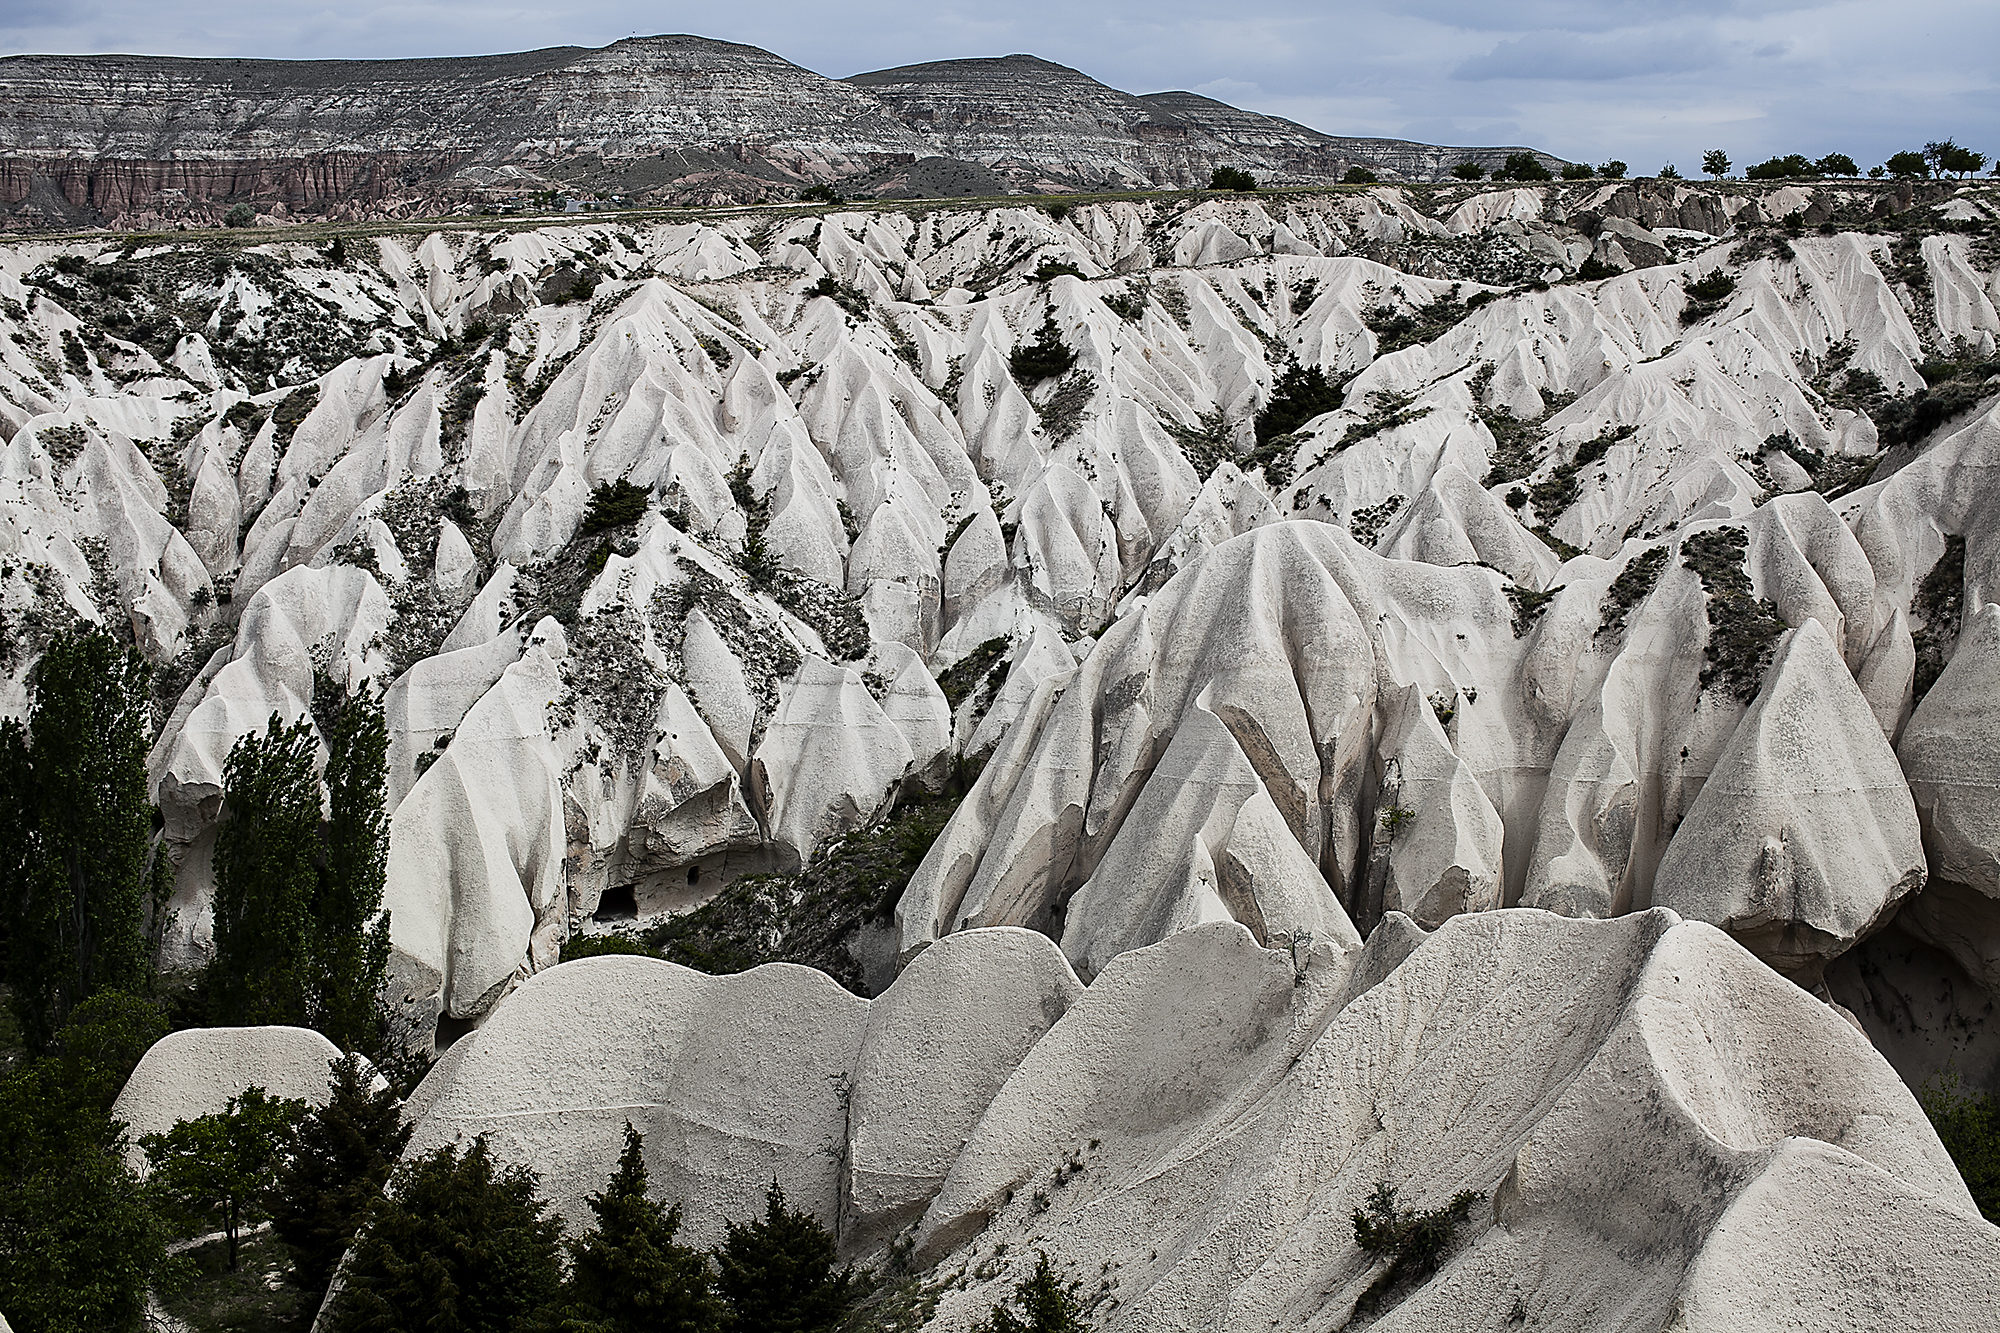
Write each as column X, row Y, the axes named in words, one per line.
column 1343, row 567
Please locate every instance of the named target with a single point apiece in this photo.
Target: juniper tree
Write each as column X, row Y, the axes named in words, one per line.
column 459, row 1245
column 340, row 1160
column 777, row 1273
column 76, row 832
column 629, row 1274
column 1044, row 1306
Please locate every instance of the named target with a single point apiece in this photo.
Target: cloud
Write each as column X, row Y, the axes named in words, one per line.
column 1569, row 56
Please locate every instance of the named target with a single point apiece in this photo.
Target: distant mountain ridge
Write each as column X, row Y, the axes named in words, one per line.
column 678, row 118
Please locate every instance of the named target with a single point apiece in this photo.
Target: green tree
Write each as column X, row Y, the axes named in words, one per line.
column 1469, row 171
column 102, row 1043
column 1614, row 170
column 300, row 936
column 1789, row 167
column 777, row 1273
column 459, row 1245
column 1908, row 166
column 240, row 215
column 76, row 832
column 628, row 1274
column 1577, row 171
column 80, row 1242
column 218, row 1170
column 349, row 935
column 1523, row 167
column 1715, row 163
column 1670, row 172
column 266, row 878
column 1358, row 175
column 1044, row 1305
column 1947, row 158
column 1232, row 178
column 340, row 1161
column 1837, row 164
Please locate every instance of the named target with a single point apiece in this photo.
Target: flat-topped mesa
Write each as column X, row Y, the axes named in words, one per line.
column 683, row 119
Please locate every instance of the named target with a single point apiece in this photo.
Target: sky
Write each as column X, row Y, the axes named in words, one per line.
column 1643, row 81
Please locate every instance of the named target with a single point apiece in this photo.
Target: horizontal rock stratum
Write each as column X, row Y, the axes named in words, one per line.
column 672, row 118
column 1359, row 704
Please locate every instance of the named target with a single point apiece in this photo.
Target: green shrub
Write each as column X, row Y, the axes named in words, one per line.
column 1743, row 629
column 1614, row 170
column 1469, row 171
column 1715, row 287
column 242, row 215
column 1595, row 270
column 821, row 193
column 1577, row 171
column 1046, row 358
column 777, row 1273
column 1939, row 611
column 1232, row 178
column 1044, row 1305
column 613, row 504
column 1358, row 176
column 1300, row 394
column 1414, row 1243
column 459, row 1245
column 1632, row 586
column 1837, row 164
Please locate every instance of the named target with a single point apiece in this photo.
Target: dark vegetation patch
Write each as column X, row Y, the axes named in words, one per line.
column 1394, row 330
column 978, row 675
column 1706, row 296
column 1743, row 629
column 1529, row 605
column 1062, row 415
column 1939, row 611
column 1300, row 394
column 1968, row 1124
column 1415, row 1243
column 1206, row 444
column 1957, row 390
column 155, row 301
column 1558, row 492
column 1633, row 585
column 1047, row 357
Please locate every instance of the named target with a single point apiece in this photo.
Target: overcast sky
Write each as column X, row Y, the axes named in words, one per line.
column 1647, row 81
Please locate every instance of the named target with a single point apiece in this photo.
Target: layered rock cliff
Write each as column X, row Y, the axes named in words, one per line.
column 676, row 118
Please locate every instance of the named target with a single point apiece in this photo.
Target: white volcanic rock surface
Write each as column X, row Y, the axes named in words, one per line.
column 1663, row 1132
column 1585, row 597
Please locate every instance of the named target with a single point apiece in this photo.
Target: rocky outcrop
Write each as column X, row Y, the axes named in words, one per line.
column 195, row 1072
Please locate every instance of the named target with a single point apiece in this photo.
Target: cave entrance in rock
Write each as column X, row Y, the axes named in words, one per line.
column 620, row 902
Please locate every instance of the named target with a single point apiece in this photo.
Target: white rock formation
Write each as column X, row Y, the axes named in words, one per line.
column 1662, row 1133
column 196, row 1071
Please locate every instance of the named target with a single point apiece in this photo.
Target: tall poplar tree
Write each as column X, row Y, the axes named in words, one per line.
column 300, row 935
column 76, row 832
column 266, row 877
